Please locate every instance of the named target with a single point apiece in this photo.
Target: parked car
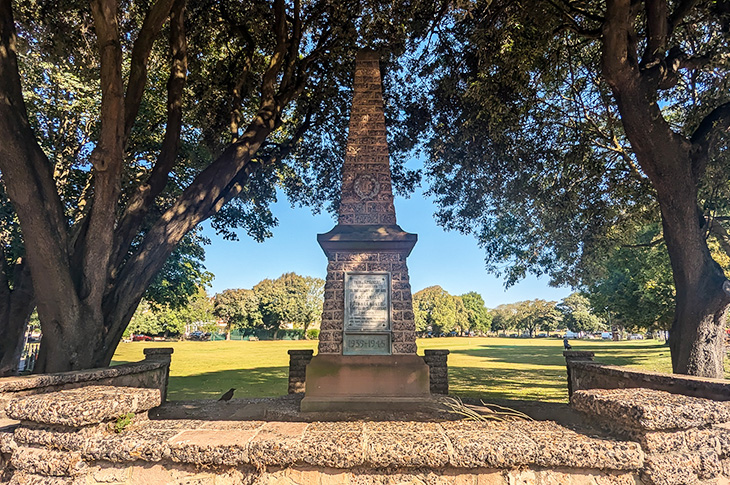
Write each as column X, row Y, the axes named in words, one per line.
column 141, row 338
column 636, row 336
column 198, row 335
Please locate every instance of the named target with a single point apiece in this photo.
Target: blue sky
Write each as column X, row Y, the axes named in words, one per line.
column 448, row 259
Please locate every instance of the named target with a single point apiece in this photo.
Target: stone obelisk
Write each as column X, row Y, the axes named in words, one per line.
column 367, row 343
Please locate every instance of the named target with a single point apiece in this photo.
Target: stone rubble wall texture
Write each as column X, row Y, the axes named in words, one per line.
column 367, row 199
column 150, row 373
column 658, row 439
column 298, row 360
column 366, row 167
column 438, row 370
column 686, row 439
column 585, row 374
column 403, row 323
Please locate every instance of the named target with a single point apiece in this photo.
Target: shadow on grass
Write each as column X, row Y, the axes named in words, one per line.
column 258, row 382
column 536, row 384
column 551, row 355
column 543, row 384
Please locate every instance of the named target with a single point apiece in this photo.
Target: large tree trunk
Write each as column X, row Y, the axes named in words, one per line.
column 86, row 283
column 674, row 164
column 696, row 339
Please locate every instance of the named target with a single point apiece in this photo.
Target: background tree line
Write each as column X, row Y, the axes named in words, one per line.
column 290, row 301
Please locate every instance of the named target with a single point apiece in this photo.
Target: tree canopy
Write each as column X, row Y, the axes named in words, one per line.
column 127, row 124
column 556, row 131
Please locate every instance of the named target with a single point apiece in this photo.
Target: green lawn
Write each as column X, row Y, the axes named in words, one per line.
column 490, row 368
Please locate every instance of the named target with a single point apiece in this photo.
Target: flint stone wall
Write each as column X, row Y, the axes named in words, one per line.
column 584, row 374
column 153, row 373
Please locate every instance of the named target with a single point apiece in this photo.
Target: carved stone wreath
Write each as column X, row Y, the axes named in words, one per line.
column 366, row 186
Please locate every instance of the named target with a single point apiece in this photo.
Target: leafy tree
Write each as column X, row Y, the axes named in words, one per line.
column 555, row 129
column 577, row 315
column 504, row 318
column 290, row 299
column 176, row 122
column 168, row 320
column 238, row 308
column 144, row 321
column 434, row 307
column 637, row 288
column 480, row 320
column 533, row 315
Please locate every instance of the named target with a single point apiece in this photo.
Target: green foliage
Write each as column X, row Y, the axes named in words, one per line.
column 527, row 316
column 480, row 320
column 438, row 311
column 526, row 148
column 290, row 299
column 151, row 319
column 238, row 308
column 638, row 288
column 577, row 315
column 122, row 422
column 312, row 334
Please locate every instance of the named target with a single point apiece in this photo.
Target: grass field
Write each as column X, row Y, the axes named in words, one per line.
column 508, row 368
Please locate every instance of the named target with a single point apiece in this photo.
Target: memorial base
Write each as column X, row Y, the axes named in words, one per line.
column 366, row 383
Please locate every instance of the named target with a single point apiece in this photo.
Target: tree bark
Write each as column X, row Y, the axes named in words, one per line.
column 16, row 306
column 674, row 164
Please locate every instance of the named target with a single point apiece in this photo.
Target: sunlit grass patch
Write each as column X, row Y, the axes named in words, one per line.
column 488, row 368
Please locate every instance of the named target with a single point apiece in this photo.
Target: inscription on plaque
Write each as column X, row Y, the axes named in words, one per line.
column 366, row 344
column 367, row 302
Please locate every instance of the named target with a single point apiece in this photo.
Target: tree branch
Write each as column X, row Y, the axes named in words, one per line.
column 680, row 12
column 140, row 203
column 153, row 22
column 711, row 127
column 645, row 245
column 107, row 157
column 657, row 27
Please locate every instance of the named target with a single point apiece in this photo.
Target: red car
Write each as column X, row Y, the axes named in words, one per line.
column 141, row 338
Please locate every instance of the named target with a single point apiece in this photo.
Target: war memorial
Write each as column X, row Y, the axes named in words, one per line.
column 358, row 411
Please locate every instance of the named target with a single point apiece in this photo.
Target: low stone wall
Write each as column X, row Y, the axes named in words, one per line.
column 71, row 436
column 685, row 439
column 153, row 372
column 75, row 436
column 584, row 373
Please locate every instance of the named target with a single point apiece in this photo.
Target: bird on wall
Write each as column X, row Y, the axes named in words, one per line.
column 228, row 395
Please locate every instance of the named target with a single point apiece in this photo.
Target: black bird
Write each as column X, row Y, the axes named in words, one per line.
column 228, row 395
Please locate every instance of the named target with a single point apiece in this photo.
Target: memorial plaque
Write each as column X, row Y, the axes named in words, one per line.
column 367, row 302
